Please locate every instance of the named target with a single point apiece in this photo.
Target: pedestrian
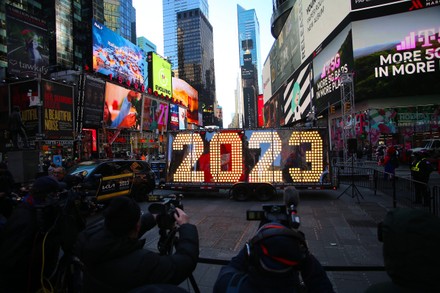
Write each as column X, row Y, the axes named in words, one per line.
column 411, row 241
column 114, row 256
column 17, row 128
column 421, row 170
column 390, row 162
column 272, row 261
column 39, row 230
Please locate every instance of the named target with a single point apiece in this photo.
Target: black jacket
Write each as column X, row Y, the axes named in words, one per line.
column 312, row 273
column 115, row 264
column 34, row 231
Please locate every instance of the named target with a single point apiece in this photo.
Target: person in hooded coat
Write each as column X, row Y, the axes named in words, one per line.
column 114, row 257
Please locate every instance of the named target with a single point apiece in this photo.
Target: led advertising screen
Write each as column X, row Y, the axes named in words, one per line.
column 317, row 19
column 27, row 39
column 285, row 55
column 187, row 96
column 58, row 110
column 122, row 107
column 117, row 57
column 155, row 115
column 20, row 93
column 297, row 96
column 160, row 74
column 361, row 4
column 93, row 102
column 401, row 61
column 335, row 59
column 174, row 117
column 272, row 112
column 182, row 118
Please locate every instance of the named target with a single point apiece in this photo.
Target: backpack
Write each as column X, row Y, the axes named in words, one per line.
column 394, row 161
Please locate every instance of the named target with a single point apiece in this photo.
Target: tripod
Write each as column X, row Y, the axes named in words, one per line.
column 167, row 241
column 354, row 190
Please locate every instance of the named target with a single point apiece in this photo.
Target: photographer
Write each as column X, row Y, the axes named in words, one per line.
column 115, row 260
column 274, row 259
column 38, row 228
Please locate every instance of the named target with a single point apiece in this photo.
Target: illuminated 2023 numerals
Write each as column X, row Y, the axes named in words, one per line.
column 262, row 171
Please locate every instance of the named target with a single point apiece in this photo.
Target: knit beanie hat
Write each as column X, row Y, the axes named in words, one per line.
column 122, row 215
column 278, row 248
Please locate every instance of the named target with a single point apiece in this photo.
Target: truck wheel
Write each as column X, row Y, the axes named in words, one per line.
column 265, row 193
column 240, row 193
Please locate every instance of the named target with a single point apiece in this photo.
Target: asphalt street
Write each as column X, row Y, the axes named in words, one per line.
column 341, row 231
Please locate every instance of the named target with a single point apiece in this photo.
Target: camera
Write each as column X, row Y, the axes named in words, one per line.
column 285, row 215
column 165, row 210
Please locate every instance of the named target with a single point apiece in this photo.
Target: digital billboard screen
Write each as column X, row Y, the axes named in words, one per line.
column 159, row 71
column 403, row 60
column 58, row 110
column 122, row 107
column 328, row 66
column 27, row 43
column 93, row 102
column 155, row 115
column 20, row 93
column 117, row 57
column 187, row 96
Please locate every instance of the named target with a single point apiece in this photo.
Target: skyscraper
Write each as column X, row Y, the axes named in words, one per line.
column 170, row 10
column 120, row 17
column 195, row 58
column 146, row 44
column 249, row 52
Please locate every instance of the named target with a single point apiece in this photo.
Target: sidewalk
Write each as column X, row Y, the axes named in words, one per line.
column 339, row 231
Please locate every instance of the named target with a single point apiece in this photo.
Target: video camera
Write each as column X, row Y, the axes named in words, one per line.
column 275, row 213
column 165, row 210
column 285, row 214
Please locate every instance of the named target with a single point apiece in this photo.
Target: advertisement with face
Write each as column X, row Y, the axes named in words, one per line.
column 28, row 51
column 328, row 66
column 403, row 60
column 122, row 107
column 113, row 55
column 155, row 115
column 58, row 110
column 93, row 102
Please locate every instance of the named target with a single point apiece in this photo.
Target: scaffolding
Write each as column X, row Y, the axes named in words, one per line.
column 348, row 111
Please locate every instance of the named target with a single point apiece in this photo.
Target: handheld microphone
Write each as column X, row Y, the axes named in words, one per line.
column 291, row 201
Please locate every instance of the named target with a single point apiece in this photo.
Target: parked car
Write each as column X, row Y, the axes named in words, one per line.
column 92, row 172
column 430, row 149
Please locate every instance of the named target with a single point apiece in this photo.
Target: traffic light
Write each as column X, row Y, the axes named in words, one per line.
column 347, row 107
column 332, row 109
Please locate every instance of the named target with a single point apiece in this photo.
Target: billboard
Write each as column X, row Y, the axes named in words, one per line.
column 267, row 82
column 58, row 110
column 361, row 4
column 155, row 115
column 335, row 59
column 93, row 102
column 122, row 107
column 159, row 71
column 297, row 96
column 187, row 96
column 115, row 56
column 27, row 43
column 402, row 61
column 174, row 117
column 19, row 93
column 285, row 55
column 317, row 19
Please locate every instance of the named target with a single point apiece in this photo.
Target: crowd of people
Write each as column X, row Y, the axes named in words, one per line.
column 45, row 236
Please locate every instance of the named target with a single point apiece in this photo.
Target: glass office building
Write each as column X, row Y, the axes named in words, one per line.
column 249, row 39
column 170, row 10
